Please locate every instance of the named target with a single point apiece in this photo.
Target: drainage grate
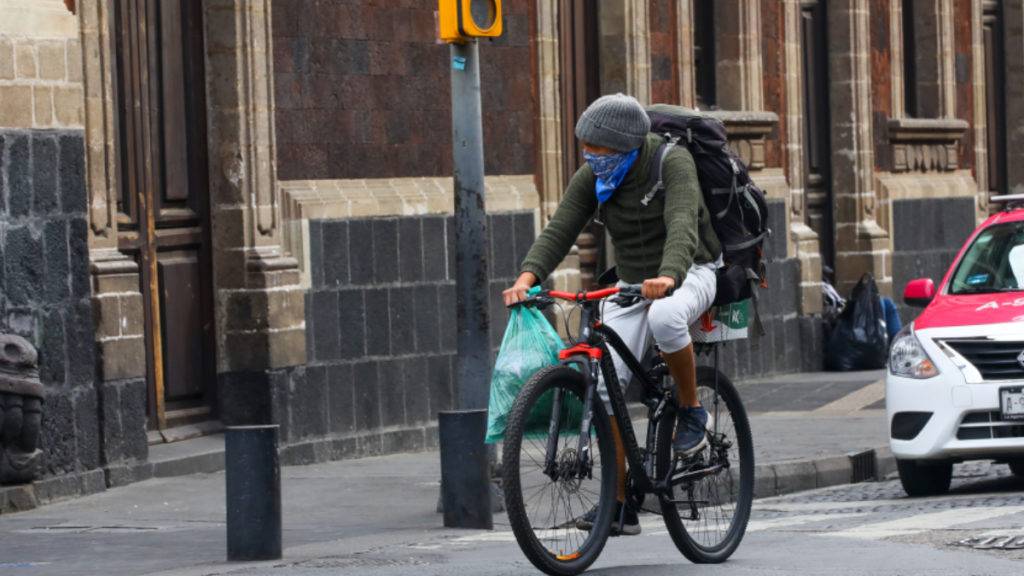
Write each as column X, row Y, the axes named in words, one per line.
column 74, row 529
column 1003, row 542
column 863, row 464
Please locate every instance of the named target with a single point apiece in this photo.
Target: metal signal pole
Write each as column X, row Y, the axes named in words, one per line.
column 465, row 482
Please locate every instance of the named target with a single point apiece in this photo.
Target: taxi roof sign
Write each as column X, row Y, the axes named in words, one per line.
column 1012, row 201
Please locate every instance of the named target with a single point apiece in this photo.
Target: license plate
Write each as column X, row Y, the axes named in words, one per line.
column 1011, row 401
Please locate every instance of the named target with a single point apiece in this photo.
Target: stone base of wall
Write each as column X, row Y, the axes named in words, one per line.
column 122, row 406
column 927, row 251
column 28, row 496
column 375, row 443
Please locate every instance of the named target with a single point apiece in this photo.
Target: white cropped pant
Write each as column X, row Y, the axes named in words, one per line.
column 668, row 320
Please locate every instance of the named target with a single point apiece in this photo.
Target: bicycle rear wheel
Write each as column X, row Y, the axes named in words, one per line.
column 707, row 517
column 545, row 501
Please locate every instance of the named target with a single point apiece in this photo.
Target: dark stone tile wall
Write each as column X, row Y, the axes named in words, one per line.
column 380, row 328
column 44, row 285
column 927, row 234
column 380, row 325
column 791, row 342
column 362, row 90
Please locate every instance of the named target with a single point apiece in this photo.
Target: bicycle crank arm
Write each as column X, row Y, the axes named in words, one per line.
column 690, row 476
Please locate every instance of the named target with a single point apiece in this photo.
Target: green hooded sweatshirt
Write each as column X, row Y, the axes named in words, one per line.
column 661, row 239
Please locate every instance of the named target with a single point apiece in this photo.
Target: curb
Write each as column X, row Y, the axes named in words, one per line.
column 798, row 475
column 770, row 480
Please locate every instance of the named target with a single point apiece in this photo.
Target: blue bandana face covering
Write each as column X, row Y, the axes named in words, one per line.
column 610, row 170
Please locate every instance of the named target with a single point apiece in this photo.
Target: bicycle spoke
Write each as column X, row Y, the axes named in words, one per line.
column 717, row 511
column 553, row 506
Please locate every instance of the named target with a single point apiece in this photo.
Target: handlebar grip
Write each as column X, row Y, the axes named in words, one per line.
column 637, row 290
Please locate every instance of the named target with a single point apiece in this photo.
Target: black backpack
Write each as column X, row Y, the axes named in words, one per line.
column 739, row 213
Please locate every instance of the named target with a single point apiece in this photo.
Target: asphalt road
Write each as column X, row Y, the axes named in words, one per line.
column 870, row 528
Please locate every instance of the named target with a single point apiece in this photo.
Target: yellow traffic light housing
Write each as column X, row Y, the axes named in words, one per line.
column 463, row 20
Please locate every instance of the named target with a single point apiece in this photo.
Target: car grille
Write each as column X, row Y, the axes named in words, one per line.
column 995, row 360
column 987, row 426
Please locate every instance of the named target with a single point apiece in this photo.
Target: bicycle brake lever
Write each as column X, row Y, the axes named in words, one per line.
column 543, row 303
column 538, row 302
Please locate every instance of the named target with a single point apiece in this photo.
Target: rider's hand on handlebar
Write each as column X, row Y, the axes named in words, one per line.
column 655, row 288
column 517, row 293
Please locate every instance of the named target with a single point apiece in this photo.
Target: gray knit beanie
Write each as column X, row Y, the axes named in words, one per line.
column 614, row 121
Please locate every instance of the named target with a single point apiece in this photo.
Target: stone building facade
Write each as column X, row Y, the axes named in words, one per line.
column 218, row 212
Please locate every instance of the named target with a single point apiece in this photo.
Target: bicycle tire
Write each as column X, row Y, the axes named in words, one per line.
column 540, row 556
column 743, row 447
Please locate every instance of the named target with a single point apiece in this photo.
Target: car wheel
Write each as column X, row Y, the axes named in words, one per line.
column 1017, row 467
column 921, row 478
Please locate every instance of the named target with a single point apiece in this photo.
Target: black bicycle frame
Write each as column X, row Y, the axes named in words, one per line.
column 600, row 336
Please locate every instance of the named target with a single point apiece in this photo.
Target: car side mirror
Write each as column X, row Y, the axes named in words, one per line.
column 919, row 292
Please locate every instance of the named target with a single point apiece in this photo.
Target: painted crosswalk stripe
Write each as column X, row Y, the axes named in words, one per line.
column 798, row 521
column 925, row 522
column 856, row 400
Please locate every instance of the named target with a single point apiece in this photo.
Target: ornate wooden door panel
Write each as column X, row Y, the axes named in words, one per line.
column 164, row 202
column 817, row 147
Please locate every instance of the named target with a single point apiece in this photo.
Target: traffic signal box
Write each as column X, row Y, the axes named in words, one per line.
column 463, row 20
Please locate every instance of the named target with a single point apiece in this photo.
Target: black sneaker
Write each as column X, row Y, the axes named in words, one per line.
column 630, row 523
column 691, row 430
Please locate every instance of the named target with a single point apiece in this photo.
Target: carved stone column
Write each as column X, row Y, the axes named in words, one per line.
column 625, row 48
column 684, row 36
column 980, row 126
column 260, row 307
column 739, row 83
column 638, row 50
column 550, row 116
column 804, row 240
column 861, row 244
column 115, row 276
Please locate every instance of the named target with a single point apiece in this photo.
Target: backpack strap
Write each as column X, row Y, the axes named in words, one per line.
column 657, row 162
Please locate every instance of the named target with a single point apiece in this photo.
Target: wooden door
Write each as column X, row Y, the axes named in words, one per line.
column 164, row 205
column 995, row 96
column 817, row 136
column 581, row 85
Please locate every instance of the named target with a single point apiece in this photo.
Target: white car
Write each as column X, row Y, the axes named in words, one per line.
column 955, row 384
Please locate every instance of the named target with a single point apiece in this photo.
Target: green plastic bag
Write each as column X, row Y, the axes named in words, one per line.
column 530, row 343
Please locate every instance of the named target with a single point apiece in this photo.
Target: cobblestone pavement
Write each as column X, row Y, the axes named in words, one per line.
column 984, row 512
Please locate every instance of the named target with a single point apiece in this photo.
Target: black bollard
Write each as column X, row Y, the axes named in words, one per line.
column 253, row 477
column 465, row 481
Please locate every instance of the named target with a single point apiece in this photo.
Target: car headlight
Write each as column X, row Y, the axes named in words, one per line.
column 907, row 357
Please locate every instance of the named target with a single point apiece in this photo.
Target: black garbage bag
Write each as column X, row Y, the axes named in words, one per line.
column 859, row 340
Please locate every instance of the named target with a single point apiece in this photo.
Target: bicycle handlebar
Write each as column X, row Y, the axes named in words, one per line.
column 547, row 297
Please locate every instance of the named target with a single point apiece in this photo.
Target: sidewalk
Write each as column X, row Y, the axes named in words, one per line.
column 805, row 426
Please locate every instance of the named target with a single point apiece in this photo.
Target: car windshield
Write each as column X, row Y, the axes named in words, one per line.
column 993, row 263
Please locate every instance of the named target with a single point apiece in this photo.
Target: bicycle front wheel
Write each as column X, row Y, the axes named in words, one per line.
column 707, row 516
column 549, row 486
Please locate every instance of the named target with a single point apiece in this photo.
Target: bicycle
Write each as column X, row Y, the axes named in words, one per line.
column 550, row 453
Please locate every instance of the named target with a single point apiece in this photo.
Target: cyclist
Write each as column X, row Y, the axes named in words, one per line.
column 668, row 245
